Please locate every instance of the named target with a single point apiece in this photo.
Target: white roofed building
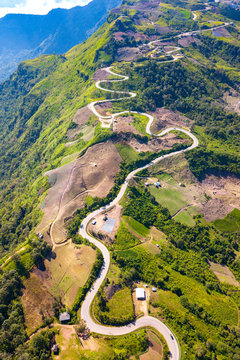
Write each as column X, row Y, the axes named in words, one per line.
column 140, row 294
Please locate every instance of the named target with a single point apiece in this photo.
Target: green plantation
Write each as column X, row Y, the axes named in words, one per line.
column 189, row 292
column 230, row 224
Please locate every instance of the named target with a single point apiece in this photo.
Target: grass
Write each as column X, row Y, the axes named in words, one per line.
column 136, row 226
column 151, row 248
column 219, row 305
column 224, row 274
column 87, row 133
column 125, row 239
column 121, row 304
column 170, row 198
column 98, row 347
column 127, row 153
column 24, row 265
column 140, row 122
column 184, row 218
column 186, row 13
column 167, row 304
column 36, row 300
column 70, row 270
column 231, row 223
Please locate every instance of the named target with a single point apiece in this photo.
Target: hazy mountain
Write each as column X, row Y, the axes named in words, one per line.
column 28, row 36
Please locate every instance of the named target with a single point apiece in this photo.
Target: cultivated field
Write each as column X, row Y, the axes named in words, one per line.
column 37, row 303
column 224, row 274
column 68, row 271
column 184, row 196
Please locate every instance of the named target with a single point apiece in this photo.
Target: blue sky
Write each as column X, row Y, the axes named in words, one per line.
column 36, row 6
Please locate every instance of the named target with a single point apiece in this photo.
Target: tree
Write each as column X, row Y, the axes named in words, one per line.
column 80, row 328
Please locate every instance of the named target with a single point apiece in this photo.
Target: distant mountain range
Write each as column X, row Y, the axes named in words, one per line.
column 28, row 36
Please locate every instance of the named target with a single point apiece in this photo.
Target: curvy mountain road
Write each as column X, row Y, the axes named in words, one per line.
column 144, row 321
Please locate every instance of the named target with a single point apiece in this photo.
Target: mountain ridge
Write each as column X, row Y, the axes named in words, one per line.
column 57, row 32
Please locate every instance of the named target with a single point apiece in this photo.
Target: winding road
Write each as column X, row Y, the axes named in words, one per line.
column 144, row 321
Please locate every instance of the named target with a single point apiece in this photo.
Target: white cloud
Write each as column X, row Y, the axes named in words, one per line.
column 36, row 6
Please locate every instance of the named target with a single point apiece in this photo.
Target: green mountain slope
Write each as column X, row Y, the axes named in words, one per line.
column 39, row 134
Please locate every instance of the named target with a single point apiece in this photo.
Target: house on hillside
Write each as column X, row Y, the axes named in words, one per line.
column 64, row 317
column 140, row 294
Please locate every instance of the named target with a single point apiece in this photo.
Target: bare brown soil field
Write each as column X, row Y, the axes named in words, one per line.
column 37, row 302
column 68, row 270
column 215, row 196
column 125, row 124
column 93, row 174
column 156, row 144
column 223, row 32
column 100, row 74
column 80, row 118
column 137, row 36
column 127, row 53
column 114, row 213
column 225, row 196
column 155, row 350
column 104, row 108
column 166, row 118
column 232, row 100
column 162, row 29
column 224, row 274
column 187, row 40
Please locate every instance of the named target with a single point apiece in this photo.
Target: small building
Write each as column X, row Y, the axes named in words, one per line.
column 140, row 294
column 94, row 222
column 157, row 184
column 154, row 289
column 64, row 317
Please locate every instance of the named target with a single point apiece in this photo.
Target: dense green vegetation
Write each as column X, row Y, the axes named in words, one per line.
column 189, row 289
column 132, row 344
column 118, row 310
column 12, row 332
column 203, row 161
column 210, row 244
column 34, row 130
column 124, row 238
column 210, row 47
column 231, row 223
column 188, row 89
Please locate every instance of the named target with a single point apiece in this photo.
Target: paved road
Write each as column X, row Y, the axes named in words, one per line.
column 171, row 340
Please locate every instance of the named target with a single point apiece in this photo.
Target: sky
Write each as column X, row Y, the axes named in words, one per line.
column 36, row 6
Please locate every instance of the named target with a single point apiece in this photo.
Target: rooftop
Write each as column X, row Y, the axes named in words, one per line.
column 65, row 316
column 140, row 294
